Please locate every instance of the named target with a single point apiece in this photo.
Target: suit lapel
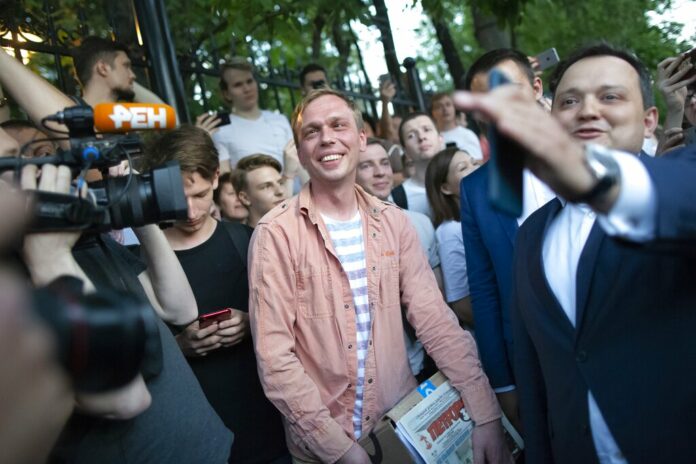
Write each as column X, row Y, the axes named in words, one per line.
column 586, row 268
column 538, row 275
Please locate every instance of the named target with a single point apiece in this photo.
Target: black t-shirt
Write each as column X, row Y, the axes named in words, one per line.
column 179, row 426
column 218, row 277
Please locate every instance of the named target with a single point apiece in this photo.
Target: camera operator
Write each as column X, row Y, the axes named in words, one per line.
column 35, row 398
column 179, row 425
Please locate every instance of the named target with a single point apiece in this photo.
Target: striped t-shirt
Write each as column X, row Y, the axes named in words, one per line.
column 347, row 238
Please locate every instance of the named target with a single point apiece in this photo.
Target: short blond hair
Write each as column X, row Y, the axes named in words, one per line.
column 237, row 63
column 296, row 121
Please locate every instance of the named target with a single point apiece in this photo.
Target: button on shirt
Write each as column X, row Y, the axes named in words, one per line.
column 304, row 326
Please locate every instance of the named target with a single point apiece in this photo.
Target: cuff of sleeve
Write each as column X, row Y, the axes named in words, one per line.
column 505, row 389
column 328, row 442
column 481, row 404
column 633, row 215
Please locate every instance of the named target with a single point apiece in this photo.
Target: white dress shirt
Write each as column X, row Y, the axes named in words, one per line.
column 632, row 217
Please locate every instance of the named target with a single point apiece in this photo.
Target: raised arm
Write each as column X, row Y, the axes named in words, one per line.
column 49, row 256
column 164, row 280
column 32, row 92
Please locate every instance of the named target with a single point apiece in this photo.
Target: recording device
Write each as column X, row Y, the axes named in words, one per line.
column 547, row 59
column 689, row 60
column 506, row 163
column 224, row 118
column 102, row 338
column 206, row 320
column 117, row 202
column 318, row 84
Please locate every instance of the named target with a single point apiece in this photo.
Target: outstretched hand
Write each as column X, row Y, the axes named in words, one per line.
column 555, row 157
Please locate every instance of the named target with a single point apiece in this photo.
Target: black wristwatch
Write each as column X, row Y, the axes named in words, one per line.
column 604, row 168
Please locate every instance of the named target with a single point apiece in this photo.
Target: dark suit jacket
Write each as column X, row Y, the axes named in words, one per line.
column 488, row 240
column 633, row 345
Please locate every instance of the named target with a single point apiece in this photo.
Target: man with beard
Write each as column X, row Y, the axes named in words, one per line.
column 105, row 71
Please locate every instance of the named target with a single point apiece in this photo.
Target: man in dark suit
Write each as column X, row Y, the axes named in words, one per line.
column 489, row 236
column 603, row 301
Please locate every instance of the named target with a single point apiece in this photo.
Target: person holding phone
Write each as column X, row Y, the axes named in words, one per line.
column 603, row 351
column 312, row 77
column 676, row 80
column 217, row 345
column 251, row 129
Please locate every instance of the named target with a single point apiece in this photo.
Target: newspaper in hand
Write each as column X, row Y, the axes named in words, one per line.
column 439, row 427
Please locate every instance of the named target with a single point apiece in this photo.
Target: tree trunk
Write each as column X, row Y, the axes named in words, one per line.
column 343, row 45
column 381, row 20
column 488, row 33
column 319, row 22
column 449, row 50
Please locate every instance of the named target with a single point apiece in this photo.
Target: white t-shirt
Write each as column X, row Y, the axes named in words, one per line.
column 465, row 139
column 452, row 260
column 242, row 137
column 417, row 198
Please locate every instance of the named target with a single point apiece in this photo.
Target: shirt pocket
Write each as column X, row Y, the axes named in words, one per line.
column 314, row 292
column 390, row 293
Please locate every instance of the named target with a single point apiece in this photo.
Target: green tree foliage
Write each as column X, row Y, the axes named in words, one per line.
column 563, row 24
column 279, row 36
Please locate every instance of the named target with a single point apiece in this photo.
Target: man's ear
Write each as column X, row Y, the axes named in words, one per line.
column 363, row 140
column 244, row 198
column 102, row 68
column 538, row 87
column 650, row 119
column 216, row 178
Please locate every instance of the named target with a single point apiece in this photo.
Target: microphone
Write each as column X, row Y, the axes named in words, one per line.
column 126, row 117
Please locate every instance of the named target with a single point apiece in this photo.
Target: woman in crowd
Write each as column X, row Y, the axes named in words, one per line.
column 225, row 196
column 442, row 178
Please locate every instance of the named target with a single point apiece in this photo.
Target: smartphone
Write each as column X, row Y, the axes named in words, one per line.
column 506, row 163
column 206, row 320
column 690, row 59
column 547, row 59
column 224, row 118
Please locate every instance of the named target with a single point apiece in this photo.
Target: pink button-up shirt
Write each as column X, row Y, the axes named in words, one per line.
column 303, row 325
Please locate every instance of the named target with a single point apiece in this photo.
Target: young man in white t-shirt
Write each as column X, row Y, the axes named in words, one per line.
column 445, row 115
column 421, row 141
column 251, row 129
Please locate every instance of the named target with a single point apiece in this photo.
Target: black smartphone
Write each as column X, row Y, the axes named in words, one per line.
column 547, row 58
column 506, row 163
column 224, row 118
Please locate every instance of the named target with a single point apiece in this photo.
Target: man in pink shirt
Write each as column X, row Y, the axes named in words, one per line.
column 326, row 297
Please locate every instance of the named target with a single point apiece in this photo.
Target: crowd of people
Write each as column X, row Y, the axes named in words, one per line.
column 352, row 262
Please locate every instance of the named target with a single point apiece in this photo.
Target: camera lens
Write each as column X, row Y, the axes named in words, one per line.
column 152, row 197
column 102, row 338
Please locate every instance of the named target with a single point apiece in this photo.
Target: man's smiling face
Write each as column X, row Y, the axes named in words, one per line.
column 329, row 141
